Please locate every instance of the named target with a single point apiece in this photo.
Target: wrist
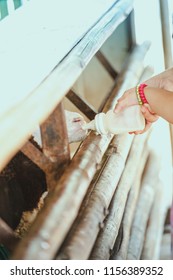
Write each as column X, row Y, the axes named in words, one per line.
column 140, row 94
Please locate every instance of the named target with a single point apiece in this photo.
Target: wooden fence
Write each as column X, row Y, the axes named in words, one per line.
column 102, row 202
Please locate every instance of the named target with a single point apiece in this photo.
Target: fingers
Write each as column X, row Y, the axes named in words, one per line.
column 121, row 104
column 126, row 100
column 119, row 107
column 147, row 126
column 148, row 115
column 129, row 98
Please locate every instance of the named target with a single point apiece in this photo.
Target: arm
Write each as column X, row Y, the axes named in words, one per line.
column 163, row 80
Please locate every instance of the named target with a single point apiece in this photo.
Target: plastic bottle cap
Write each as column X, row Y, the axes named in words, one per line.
column 99, row 124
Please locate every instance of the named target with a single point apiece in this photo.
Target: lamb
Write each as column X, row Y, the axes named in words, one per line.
column 74, row 122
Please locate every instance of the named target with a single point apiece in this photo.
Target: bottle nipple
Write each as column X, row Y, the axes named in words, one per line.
column 90, row 125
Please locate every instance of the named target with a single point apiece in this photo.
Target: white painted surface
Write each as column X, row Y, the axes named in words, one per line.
column 148, row 27
column 36, row 37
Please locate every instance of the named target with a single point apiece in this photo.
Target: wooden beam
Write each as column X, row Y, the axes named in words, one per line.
column 82, row 104
column 34, row 154
column 102, row 59
column 54, row 155
column 55, row 145
column 121, row 83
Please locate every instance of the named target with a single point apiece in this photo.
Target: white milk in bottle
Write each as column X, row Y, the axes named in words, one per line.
column 128, row 120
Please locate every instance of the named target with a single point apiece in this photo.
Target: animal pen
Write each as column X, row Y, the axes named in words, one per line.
column 103, row 198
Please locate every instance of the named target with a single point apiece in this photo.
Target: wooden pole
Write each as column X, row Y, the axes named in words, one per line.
column 81, row 104
column 95, row 206
column 166, row 23
column 120, row 250
column 143, row 208
column 54, row 155
column 102, row 59
column 55, row 145
column 155, row 228
column 106, row 238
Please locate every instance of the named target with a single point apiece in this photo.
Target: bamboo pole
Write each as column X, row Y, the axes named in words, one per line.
column 62, row 204
column 163, row 197
column 155, row 228
column 121, row 245
column 106, row 238
column 143, row 208
column 166, row 22
column 95, row 207
column 120, row 252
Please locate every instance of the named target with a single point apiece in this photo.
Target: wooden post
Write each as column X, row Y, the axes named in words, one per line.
column 55, row 145
column 120, row 250
column 166, row 20
column 81, row 104
column 152, row 243
column 106, row 238
column 143, row 208
column 95, row 206
column 106, row 64
column 56, row 155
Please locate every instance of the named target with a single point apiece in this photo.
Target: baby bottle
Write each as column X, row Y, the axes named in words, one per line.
column 127, row 120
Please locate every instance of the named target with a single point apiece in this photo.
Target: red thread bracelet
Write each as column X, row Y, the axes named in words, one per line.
column 141, row 93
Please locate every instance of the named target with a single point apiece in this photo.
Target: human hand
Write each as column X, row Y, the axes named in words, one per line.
column 129, row 98
column 149, row 116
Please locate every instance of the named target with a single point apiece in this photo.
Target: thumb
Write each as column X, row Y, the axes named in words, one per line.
column 118, row 108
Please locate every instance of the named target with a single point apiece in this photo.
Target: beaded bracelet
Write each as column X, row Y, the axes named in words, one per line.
column 140, row 94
